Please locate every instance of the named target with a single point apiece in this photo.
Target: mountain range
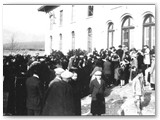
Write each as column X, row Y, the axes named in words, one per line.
column 22, row 40
column 35, row 45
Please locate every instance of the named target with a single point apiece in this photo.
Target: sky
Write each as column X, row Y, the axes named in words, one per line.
column 25, row 18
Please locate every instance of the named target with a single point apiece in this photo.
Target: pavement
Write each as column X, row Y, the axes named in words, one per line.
column 120, row 101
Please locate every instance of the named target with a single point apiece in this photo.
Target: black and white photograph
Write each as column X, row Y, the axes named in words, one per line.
column 79, row 59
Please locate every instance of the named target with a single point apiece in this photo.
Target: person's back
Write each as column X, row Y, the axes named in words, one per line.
column 107, row 67
column 34, row 95
column 32, row 87
column 54, row 99
column 120, row 53
column 59, row 99
column 140, row 61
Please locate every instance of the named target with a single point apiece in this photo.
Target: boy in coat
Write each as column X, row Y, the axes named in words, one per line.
column 138, row 91
column 97, row 88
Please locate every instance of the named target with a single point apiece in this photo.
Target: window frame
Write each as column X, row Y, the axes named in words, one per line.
column 90, row 9
column 89, row 41
column 61, row 18
column 127, row 28
column 145, row 25
column 73, row 39
column 110, row 24
column 60, row 42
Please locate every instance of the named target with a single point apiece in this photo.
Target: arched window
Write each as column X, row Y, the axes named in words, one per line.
column 73, row 40
column 73, row 14
column 89, row 40
column 127, row 32
column 90, row 11
column 61, row 17
column 51, row 22
column 110, row 35
column 149, row 31
column 52, row 19
column 60, row 42
column 51, row 43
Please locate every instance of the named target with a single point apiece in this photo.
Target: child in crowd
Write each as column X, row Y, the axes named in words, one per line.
column 138, row 91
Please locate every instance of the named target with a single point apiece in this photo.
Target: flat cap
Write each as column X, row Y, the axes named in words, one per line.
column 66, row 74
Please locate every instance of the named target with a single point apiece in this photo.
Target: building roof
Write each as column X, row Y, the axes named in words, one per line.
column 46, row 8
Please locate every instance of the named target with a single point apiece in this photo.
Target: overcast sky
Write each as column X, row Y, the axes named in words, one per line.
column 25, row 18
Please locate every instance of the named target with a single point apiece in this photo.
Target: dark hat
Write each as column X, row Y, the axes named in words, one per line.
column 35, row 63
column 120, row 46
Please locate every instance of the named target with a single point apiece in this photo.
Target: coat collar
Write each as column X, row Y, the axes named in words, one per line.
column 97, row 83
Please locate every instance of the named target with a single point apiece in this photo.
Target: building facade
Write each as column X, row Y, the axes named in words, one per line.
column 99, row 26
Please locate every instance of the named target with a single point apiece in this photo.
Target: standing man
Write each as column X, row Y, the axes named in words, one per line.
column 34, row 92
column 120, row 52
column 107, row 71
column 59, row 97
column 97, row 88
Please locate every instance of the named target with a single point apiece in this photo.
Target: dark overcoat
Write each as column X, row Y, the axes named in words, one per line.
column 34, row 93
column 107, row 67
column 97, row 94
column 59, row 99
column 76, row 96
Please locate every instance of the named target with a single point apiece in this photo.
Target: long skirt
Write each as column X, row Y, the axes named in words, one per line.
column 98, row 106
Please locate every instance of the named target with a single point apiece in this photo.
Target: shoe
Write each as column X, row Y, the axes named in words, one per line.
column 139, row 113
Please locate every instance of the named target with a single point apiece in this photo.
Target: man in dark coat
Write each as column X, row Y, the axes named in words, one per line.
column 97, row 88
column 120, row 52
column 34, row 93
column 107, row 71
column 59, row 97
column 76, row 86
column 9, row 86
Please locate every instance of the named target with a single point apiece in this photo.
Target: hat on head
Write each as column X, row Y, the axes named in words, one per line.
column 153, row 55
column 81, row 56
column 122, row 64
column 42, row 59
column 74, row 68
column 74, row 77
column 98, row 73
column 140, row 75
column 34, row 63
column 66, row 74
column 58, row 71
column 120, row 46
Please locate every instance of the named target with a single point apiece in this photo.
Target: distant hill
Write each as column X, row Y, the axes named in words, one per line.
column 23, row 40
column 35, row 45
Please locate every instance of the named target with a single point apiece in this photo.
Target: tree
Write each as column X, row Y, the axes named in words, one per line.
column 14, row 45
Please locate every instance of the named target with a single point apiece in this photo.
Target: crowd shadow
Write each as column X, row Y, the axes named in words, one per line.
column 147, row 99
column 108, row 91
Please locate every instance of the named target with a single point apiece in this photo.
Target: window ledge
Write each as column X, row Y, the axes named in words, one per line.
column 88, row 17
column 73, row 22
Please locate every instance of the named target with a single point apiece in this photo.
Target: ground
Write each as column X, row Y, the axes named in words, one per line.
column 120, row 101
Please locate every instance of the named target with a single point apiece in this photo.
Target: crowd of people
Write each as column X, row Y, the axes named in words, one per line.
column 55, row 84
